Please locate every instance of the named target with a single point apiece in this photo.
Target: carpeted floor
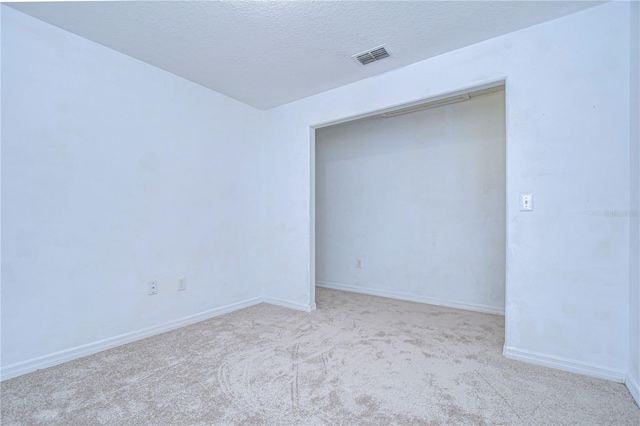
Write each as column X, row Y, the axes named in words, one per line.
column 356, row 360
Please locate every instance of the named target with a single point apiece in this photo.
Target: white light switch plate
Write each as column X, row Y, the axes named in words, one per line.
column 526, row 202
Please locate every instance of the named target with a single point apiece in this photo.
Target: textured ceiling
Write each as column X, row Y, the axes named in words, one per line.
column 267, row 53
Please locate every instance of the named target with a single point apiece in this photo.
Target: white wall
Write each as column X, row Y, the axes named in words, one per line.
column 421, row 198
column 633, row 378
column 567, row 102
column 115, row 173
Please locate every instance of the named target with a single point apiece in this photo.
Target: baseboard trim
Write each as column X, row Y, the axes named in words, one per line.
column 634, row 388
column 412, row 298
column 24, row 367
column 565, row 364
column 289, row 304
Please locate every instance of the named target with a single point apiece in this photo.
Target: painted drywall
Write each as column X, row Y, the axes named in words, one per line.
column 103, row 140
column 420, row 199
column 567, row 113
column 115, row 173
column 633, row 379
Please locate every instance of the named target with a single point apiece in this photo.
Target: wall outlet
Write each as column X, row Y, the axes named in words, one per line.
column 182, row 284
column 153, row 288
column 359, row 262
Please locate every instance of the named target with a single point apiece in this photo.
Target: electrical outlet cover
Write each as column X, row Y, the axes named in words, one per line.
column 182, row 284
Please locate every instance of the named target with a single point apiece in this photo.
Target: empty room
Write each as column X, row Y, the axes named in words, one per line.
column 269, row 212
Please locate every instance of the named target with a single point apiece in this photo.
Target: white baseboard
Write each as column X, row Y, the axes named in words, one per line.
column 413, row 298
column 289, row 304
column 564, row 364
column 66, row 355
column 634, row 388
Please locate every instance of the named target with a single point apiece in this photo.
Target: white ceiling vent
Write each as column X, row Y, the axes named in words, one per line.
column 372, row 55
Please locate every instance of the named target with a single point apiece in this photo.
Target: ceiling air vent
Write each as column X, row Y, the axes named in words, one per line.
column 372, row 55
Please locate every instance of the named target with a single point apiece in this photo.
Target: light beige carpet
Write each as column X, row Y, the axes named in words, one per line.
column 356, row 360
